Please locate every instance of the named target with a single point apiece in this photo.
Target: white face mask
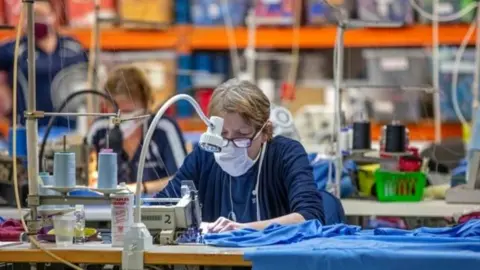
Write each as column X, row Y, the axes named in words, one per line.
column 235, row 160
column 128, row 127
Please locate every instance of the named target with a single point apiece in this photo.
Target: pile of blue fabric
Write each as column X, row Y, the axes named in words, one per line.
column 313, row 246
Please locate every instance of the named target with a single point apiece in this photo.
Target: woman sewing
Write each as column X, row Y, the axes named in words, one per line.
column 132, row 92
column 256, row 180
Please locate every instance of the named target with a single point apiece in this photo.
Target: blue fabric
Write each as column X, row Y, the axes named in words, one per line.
column 312, row 246
column 461, row 169
column 165, row 155
column 286, row 182
column 288, row 234
column 68, row 52
column 332, row 208
column 354, row 254
column 278, row 235
column 320, row 174
column 469, row 229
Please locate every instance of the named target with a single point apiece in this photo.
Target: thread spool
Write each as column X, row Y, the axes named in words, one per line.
column 361, row 136
column 350, row 137
column 395, row 138
column 107, row 169
column 344, row 141
column 47, row 180
column 21, row 141
column 82, row 122
column 64, row 169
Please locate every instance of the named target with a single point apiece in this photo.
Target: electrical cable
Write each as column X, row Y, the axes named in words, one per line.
column 292, row 75
column 14, row 141
column 433, row 17
column 456, row 65
column 60, row 109
column 93, row 55
column 232, row 42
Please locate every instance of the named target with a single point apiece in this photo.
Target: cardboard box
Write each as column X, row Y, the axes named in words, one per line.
column 306, row 96
column 81, row 13
column 149, row 11
column 161, row 75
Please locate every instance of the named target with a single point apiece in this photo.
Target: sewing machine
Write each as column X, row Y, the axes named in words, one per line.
column 6, row 179
column 175, row 221
column 470, row 192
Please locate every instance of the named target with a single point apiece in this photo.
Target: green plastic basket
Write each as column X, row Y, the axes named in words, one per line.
column 399, row 186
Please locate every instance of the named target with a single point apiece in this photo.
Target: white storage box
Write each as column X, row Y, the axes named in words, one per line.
column 397, row 67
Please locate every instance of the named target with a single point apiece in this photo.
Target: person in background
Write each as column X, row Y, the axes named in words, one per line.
column 54, row 52
column 256, row 180
column 5, row 106
column 129, row 87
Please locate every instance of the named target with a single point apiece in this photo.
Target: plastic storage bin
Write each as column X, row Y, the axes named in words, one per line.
column 212, row 12
column 397, row 67
column 446, row 8
column 278, row 12
column 386, row 10
column 466, row 71
column 318, row 12
column 394, row 68
column 399, row 186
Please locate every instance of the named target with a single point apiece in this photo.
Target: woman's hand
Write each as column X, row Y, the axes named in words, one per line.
column 224, row 225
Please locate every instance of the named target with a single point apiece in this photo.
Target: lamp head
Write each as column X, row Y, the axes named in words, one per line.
column 212, row 140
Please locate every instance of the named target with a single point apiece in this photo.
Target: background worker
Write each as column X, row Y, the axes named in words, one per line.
column 54, row 53
column 129, row 87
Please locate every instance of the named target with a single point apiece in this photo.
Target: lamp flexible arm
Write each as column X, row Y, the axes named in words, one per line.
column 148, row 137
column 61, row 108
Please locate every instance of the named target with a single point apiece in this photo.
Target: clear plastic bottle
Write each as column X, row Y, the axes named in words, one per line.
column 79, row 224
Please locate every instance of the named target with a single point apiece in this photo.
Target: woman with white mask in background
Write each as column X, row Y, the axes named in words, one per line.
column 132, row 92
column 256, row 180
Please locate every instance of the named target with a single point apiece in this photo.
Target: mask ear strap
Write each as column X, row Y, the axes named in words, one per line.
column 262, row 155
column 260, row 131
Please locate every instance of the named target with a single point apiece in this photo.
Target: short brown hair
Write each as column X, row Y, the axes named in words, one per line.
column 130, row 80
column 244, row 98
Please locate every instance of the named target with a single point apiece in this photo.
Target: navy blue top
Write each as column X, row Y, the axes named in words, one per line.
column 68, row 52
column 166, row 151
column 286, row 184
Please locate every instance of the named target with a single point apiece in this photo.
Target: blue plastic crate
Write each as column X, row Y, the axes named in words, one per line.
column 211, row 12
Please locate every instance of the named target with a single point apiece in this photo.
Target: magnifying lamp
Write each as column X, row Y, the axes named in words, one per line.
column 138, row 238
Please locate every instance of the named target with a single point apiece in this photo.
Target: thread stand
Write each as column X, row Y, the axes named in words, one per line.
column 342, row 25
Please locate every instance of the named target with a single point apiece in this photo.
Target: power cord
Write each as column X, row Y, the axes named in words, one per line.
column 448, row 18
column 32, row 238
column 456, row 65
column 233, row 48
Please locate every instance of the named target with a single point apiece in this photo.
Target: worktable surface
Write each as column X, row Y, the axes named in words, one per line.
column 353, row 207
column 96, row 253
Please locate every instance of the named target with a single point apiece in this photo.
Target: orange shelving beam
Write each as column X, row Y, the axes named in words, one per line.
column 215, row 38
column 118, row 38
column 324, row 37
